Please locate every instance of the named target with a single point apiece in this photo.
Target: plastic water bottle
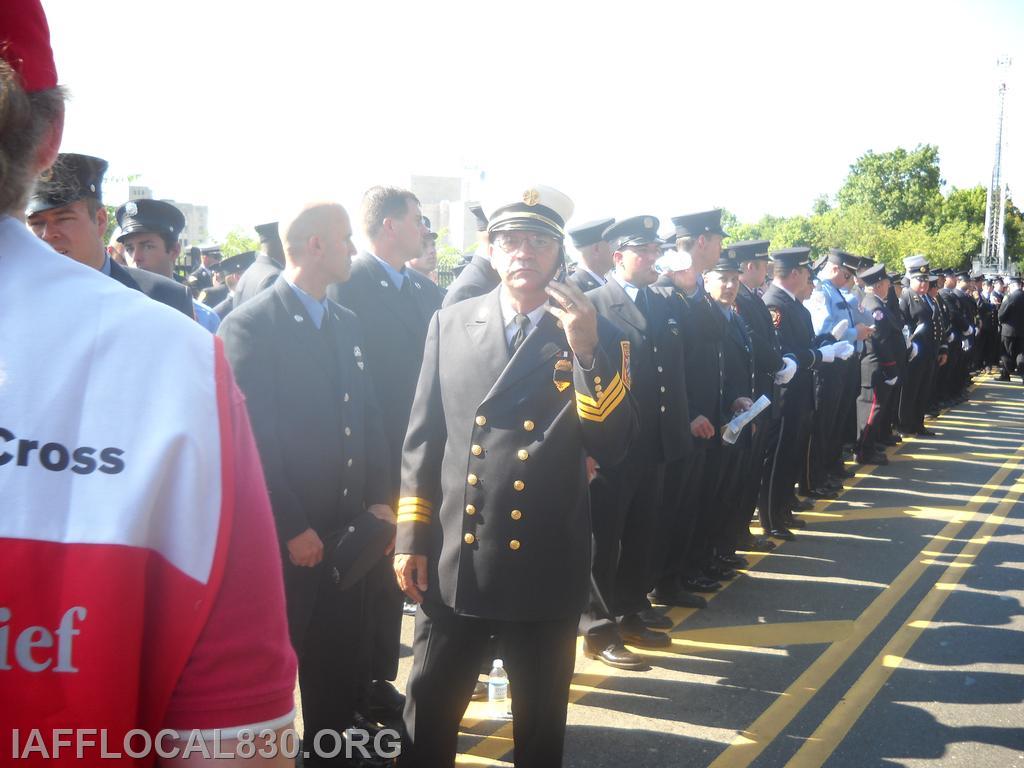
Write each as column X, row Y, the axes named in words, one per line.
column 497, row 690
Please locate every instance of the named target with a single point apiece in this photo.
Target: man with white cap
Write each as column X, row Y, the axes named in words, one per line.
column 518, row 387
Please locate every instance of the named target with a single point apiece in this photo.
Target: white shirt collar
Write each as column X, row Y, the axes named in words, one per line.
column 601, row 279
column 508, row 314
column 630, row 289
column 788, row 293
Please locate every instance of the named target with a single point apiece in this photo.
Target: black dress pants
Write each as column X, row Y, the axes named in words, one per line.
column 448, row 650
column 624, row 506
column 325, row 626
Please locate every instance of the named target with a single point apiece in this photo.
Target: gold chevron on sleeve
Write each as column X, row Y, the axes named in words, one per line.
column 414, row 510
column 598, row 409
column 413, row 517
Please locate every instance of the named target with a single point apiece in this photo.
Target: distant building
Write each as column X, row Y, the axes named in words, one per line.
column 443, row 200
column 197, row 223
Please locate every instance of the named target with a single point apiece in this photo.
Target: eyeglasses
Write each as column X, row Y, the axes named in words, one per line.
column 511, row 242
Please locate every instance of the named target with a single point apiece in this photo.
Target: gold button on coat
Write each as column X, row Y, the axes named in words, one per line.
column 470, row 509
column 469, row 538
column 481, row 421
column 528, row 425
column 472, row 479
column 597, row 379
column 523, row 454
column 663, row 409
column 516, row 514
column 519, row 485
column 348, row 432
column 476, row 450
column 514, row 544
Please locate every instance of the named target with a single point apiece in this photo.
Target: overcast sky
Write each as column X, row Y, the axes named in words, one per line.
column 630, row 107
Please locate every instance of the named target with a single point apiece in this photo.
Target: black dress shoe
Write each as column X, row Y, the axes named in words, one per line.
column 732, row 560
column 701, row 584
column 653, row 619
column 925, row 432
column 889, row 441
column 362, row 723
column 615, row 655
column 385, row 701
column 479, row 691
column 635, row 633
column 782, row 533
column 759, row 544
column 678, row 598
column 821, row 493
column 719, row 573
column 800, row 505
column 795, row 522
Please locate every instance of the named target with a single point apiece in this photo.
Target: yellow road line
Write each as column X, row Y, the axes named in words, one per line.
column 749, row 744
column 498, row 744
column 842, row 718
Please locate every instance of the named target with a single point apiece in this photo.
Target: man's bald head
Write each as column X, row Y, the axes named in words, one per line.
column 314, row 220
column 318, row 241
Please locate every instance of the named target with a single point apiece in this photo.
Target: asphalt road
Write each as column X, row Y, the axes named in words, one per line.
column 890, row 633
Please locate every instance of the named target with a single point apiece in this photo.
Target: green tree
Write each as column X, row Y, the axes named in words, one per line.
column 238, row 241
column 900, row 186
column 111, row 222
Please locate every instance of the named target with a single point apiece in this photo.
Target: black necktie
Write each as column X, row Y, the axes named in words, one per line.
column 642, row 303
column 522, row 323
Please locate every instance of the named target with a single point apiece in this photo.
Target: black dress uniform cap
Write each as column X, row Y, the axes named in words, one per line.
column 819, row 262
column 792, row 257
column 636, row 230
column 873, row 274
column 750, row 250
column 843, row 259
column 537, row 208
column 430, row 233
column 669, row 243
column 149, row 216
column 727, row 262
column 71, row 178
column 894, row 276
column 697, row 224
column 211, row 250
column 234, row 265
column 589, row 233
column 267, row 232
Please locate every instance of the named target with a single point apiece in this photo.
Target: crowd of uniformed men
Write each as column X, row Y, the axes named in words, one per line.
column 548, row 435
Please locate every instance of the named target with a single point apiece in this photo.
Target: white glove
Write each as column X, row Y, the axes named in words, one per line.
column 786, row 372
column 892, row 382
column 921, row 327
column 844, row 350
column 971, row 331
column 906, row 335
column 967, row 345
column 913, row 351
column 951, row 336
column 828, row 354
column 839, row 329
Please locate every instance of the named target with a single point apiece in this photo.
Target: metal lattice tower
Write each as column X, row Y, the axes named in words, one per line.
column 993, row 252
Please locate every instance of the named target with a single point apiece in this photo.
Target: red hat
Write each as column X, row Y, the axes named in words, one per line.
column 25, row 44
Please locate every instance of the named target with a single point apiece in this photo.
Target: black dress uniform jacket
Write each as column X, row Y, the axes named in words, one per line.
column 1011, row 315
column 583, row 280
column 795, row 332
column 394, row 327
column 261, row 274
column 884, row 346
column 313, row 410
column 925, row 326
column 767, row 350
column 157, row 287
column 478, row 278
column 494, row 485
column 704, row 329
column 658, row 365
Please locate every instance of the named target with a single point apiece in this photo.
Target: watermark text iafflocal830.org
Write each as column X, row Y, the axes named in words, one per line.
column 97, row 743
